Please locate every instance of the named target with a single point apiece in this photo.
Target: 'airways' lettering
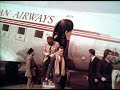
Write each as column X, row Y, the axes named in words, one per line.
column 17, row 14
column 25, row 15
column 51, row 19
column 5, row 13
column 32, row 16
column 45, row 17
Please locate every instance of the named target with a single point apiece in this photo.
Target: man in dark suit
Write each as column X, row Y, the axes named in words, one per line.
column 59, row 66
column 104, row 70
column 92, row 76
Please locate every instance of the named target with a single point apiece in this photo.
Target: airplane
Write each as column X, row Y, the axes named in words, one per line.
column 24, row 27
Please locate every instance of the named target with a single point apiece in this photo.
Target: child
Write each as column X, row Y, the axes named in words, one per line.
column 30, row 68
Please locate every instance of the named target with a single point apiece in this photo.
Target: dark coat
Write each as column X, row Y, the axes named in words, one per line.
column 92, row 73
column 104, row 69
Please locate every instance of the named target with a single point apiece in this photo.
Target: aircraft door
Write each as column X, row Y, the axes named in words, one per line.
column 62, row 32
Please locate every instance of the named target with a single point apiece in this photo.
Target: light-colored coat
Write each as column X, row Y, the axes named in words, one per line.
column 56, row 77
column 30, row 66
column 53, row 50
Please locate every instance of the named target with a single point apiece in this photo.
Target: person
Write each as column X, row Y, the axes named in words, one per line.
column 115, row 59
column 116, row 79
column 115, row 72
column 30, row 68
column 49, row 51
column 92, row 72
column 68, row 35
column 62, row 34
column 59, row 34
column 59, row 66
column 104, row 70
column 38, row 72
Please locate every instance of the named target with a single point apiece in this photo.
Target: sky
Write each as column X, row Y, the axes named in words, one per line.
column 88, row 6
column 111, row 9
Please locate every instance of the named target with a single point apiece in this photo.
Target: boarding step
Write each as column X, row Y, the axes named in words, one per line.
column 48, row 84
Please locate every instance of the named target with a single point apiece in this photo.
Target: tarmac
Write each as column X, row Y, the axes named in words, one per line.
column 77, row 81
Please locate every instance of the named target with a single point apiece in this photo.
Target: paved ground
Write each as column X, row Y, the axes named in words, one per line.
column 23, row 86
column 77, row 81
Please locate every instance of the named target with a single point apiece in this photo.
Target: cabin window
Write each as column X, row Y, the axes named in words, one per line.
column 21, row 30
column 5, row 27
column 38, row 34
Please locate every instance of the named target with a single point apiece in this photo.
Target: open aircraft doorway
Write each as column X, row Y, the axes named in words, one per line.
column 61, row 29
column 61, row 34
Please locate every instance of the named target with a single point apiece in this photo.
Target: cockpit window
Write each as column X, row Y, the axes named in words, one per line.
column 38, row 34
column 21, row 30
column 5, row 27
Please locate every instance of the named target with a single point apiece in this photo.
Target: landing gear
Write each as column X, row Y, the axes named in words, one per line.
column 11, row 70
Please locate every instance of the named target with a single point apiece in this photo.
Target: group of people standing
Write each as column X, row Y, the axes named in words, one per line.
column 53, row 63
column 55, row 55
column 100, row 71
